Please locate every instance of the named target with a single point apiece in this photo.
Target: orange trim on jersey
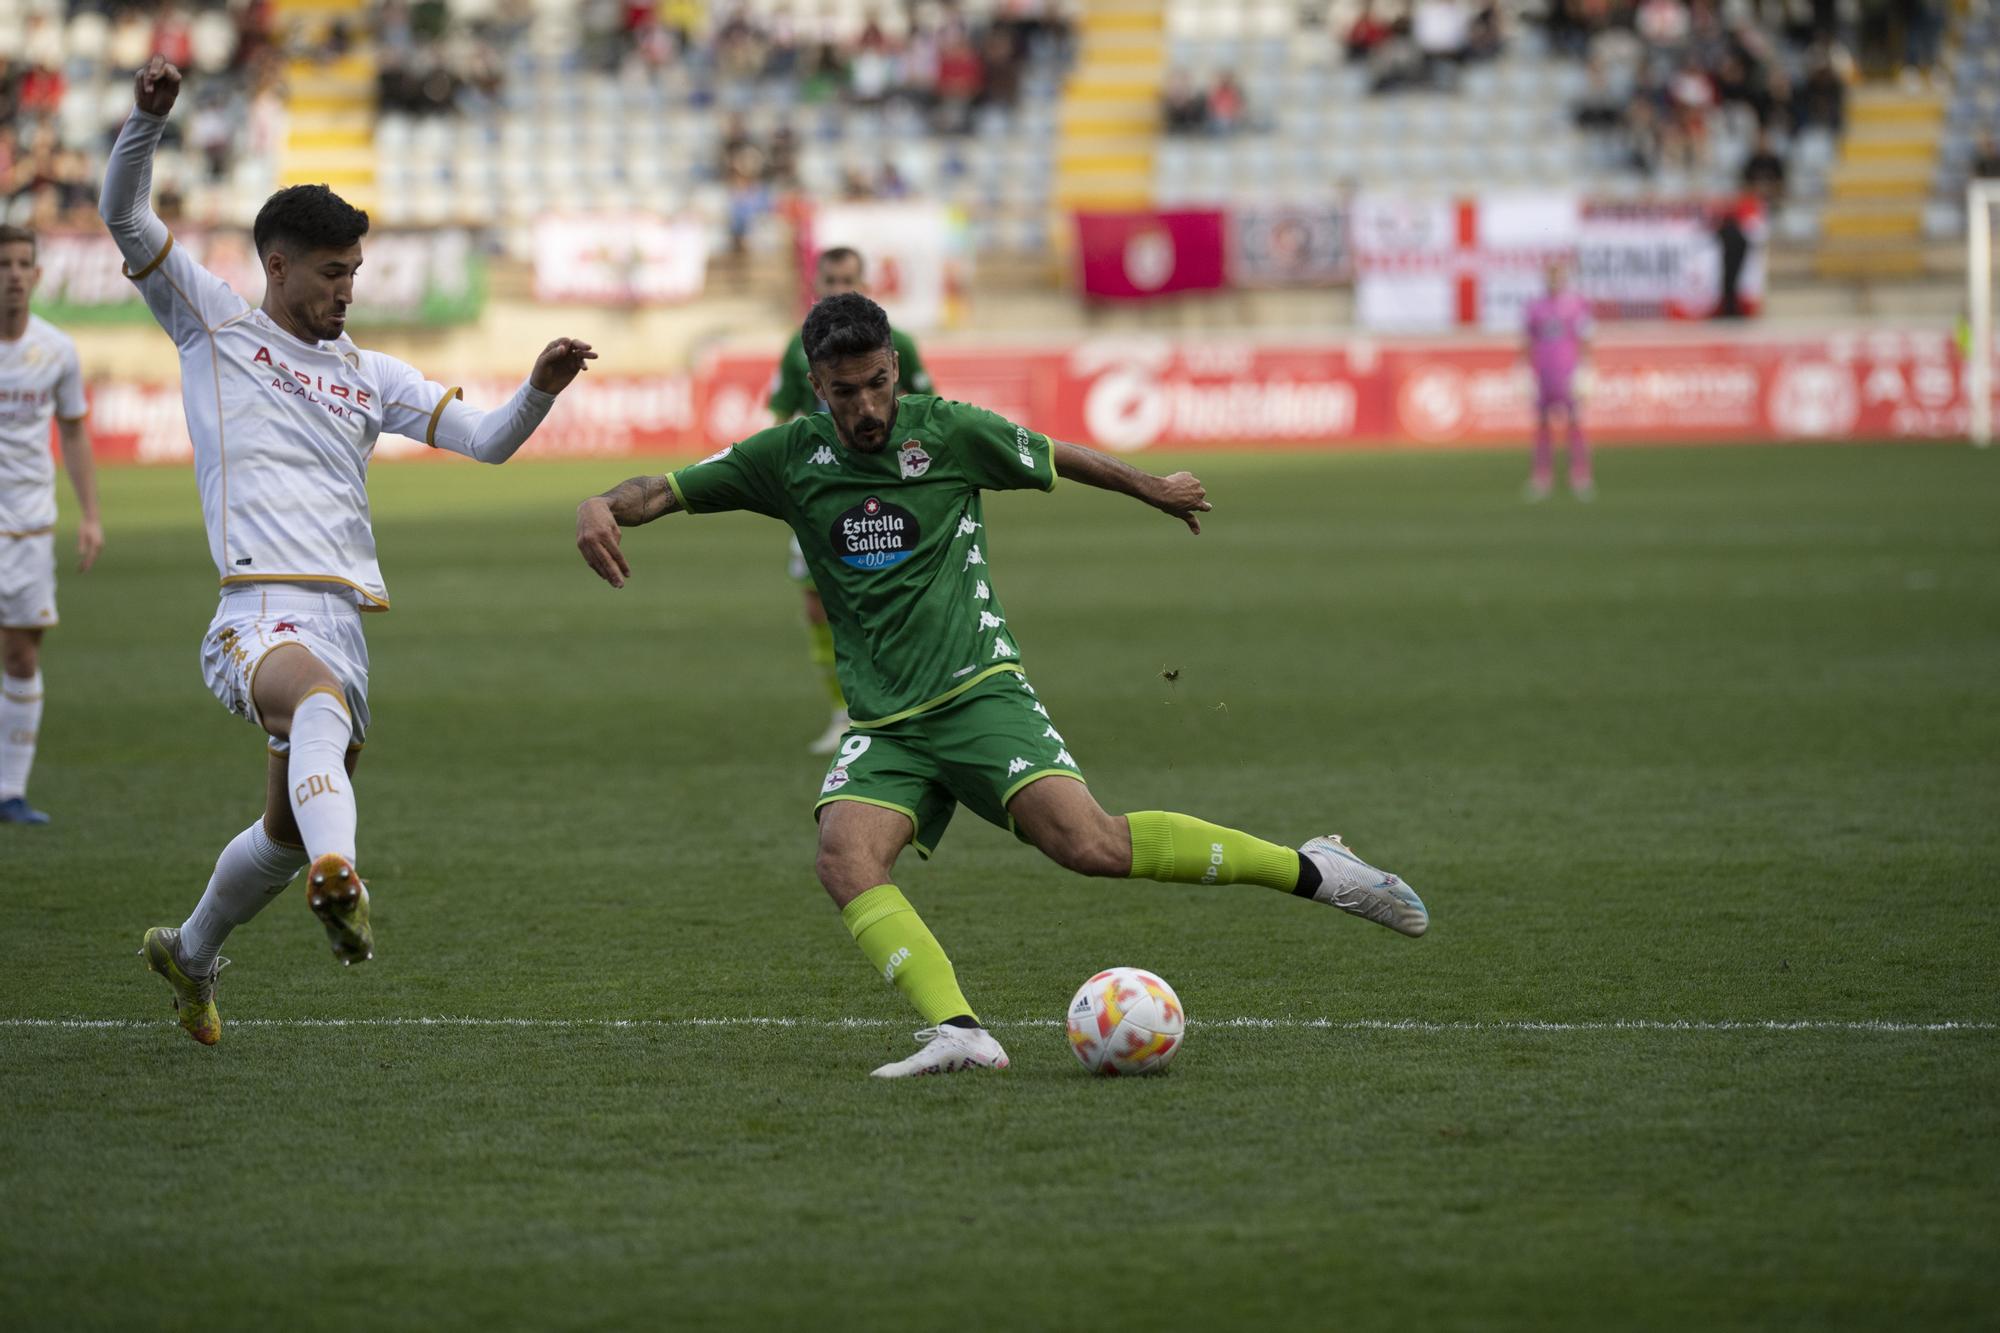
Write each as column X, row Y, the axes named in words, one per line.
column 158, row 259
column 32, row 532
column 70, row 421
column 437, row 414
column 374, row 603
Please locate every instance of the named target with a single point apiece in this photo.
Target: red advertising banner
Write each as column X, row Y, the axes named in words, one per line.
column 1133, row 393
column 1138, row 255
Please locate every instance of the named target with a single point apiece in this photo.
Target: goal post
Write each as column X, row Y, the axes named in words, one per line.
column 1982, row 201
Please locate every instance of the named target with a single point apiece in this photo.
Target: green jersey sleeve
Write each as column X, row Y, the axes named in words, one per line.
column 996, row 454
column 748, row 476
column 914, row 377
column 791, row 393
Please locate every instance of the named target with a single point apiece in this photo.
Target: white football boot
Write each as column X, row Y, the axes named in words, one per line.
column 829, row 740
column 1351, row 884
column 947, row 1050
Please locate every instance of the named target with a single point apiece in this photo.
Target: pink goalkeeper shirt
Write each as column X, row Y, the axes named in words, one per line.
column 1557, row 326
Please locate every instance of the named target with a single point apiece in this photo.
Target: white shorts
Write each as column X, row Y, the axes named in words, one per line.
column 28, row 581
column 253, row 619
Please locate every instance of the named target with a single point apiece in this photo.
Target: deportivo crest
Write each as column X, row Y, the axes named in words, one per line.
column 834, row 781
column 875, row 535
column 911, row 460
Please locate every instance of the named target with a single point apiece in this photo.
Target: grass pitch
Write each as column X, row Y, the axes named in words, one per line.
column 1724, row 746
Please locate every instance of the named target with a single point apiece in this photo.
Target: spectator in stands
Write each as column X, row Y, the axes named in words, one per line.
column 872, row 71
column 1001, row 63
column 1396, row 62
column 961, row 80
column 1367, row 32
column 1443, row 32
column 1986, row 157
column 1225, row 104
column 1183, row 107
column 1822, row 100
column 1764, row 172
column 1923, row 32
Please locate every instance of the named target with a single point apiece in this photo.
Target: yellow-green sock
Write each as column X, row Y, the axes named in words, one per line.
column 1180, row 849
column 905, row 953
column 820, row 636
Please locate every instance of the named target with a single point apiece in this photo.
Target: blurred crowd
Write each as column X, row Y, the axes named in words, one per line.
column 65, row 88
column 1667, row 76
column 1424, row 43
column 927, row 56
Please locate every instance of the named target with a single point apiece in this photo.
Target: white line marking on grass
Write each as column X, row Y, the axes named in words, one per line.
column 1505, row 1025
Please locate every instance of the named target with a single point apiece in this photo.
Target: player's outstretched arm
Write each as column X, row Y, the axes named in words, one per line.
column 1181, row 495
column 495, row 436
column 626, row 505
column 125, row 203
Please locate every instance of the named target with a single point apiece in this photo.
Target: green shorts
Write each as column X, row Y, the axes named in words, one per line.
column 979, row 749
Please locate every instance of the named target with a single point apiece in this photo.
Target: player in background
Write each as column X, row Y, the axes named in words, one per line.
column 1558, row 342
column 792, row 396
column 40, row 377
column 284, row 411
column 884, row 495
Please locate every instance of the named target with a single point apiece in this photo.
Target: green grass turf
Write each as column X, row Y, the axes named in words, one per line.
column 1723, row 746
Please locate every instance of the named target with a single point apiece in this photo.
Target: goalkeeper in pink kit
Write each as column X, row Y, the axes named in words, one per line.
column 1558, row 336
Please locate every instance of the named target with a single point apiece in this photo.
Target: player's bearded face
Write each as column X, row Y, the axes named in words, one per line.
column 860, row 394
column 318, row 289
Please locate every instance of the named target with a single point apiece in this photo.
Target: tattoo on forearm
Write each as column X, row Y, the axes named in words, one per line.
column 1094, row 468
column 640, row 500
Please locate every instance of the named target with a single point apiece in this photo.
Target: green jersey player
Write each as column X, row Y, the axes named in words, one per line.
column 884, row 496
column 792, row 395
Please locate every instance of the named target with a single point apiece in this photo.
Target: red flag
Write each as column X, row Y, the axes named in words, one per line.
column 1137, row 255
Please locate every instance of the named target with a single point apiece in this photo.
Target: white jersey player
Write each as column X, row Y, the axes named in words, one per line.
column 284, row 411
column 40, row 378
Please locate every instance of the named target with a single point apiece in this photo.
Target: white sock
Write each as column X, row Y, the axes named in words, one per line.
column 322, row 796
column 251, row 871
column 20, row 720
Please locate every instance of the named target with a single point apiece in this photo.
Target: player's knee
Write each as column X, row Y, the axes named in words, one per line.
column 20, row 660
column 844, row 874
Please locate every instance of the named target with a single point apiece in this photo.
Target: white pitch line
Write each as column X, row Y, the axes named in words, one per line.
column 1420, row 1025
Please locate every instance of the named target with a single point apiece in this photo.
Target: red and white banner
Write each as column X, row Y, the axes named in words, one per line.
column 917, row 254
column 1428, row 265
column 1135, row 393
column 1138, row 255
column 609, row 259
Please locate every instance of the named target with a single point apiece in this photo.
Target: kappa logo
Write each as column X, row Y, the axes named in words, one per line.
column 987, row 620
column 1018, row 766
column 911, row 460
column 1051, row 733
column 982, row 592
column 1063, row 758
column 1043, row 711
column 966, row 527
column 972, row 557
column 821, row 455
column 1002, row 649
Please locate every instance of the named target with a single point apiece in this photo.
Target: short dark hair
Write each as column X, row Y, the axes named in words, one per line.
column 12, row 235
column 307, row 217
column 840, row 254
column 845, row 325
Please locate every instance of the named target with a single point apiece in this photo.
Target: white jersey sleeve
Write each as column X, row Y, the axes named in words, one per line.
column 412, row 406
column 188, row 300
column 425, row 410
column 71, row 404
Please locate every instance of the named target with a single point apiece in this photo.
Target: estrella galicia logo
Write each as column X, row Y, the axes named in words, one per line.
column 874, row 535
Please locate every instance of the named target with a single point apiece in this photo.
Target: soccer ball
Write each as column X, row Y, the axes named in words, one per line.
column 1125, row 1021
